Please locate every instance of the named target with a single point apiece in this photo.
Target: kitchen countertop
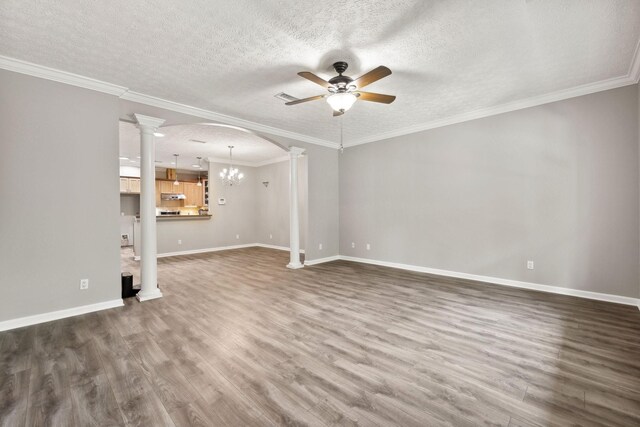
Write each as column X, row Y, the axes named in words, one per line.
column 178, row 217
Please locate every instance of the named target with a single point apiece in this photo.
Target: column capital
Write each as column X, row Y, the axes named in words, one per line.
column 148, row 122
column 296, row 151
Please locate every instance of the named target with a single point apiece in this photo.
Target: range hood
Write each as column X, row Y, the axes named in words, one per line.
column 172, row 196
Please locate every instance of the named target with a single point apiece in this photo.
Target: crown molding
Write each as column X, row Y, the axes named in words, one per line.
column 284, row 158
column 634, row 68
column 226, row 162
column 29, row 68
column 24, row 67
column 35, row 70
column 505, row 108
column 222, row 118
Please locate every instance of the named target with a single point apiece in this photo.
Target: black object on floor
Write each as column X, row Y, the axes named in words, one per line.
column 128, row 290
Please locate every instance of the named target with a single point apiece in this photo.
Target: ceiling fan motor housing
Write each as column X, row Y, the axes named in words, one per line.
column 341, row 82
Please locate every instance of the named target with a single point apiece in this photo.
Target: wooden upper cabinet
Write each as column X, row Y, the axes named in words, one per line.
column 168, row 187
column 124, row 185
column 130, row 185
column 199, row 195
column 193, row 194
column 189, row 194
column 134, row 185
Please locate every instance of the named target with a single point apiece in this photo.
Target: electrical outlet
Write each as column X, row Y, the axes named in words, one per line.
column 237, row 236
column 368, row 246
column 530, row 265
column 84, row 284
column 271, row 236
column 179, row 242
column 353, row 244
column 320, row 246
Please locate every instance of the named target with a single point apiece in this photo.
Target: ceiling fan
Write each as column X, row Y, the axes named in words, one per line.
column 344, row 91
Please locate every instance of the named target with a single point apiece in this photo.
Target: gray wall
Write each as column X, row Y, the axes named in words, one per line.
column 130, row 204
column 272, row 209
column 557, row 184
column 323, row 198
column 236, row 217
column 322, row 184
column 58, row 224
column 129, row 208
column 251, row 211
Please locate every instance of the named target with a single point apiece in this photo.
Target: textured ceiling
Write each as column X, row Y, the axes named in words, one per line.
column 447, row 57
column 248, row 148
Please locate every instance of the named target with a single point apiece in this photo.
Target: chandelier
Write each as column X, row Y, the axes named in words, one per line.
column 231, row 176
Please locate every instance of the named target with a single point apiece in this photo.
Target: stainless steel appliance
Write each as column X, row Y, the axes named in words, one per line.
column 172, row 196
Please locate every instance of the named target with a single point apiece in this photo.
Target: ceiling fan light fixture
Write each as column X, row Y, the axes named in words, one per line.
column 341, row 101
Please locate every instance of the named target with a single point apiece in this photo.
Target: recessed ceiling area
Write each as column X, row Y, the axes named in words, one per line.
column 191, row 141
column 447, row 57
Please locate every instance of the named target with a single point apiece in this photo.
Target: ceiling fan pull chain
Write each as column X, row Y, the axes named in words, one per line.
column 341, row 126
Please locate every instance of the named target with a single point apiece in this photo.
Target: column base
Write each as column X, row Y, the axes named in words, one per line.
column 153, row 294
column 294, row 266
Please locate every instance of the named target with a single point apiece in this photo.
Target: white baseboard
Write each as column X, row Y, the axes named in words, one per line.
column 60, row 314
column 280, row 248
column 505, row 282
column 220, row 248
column 149, row 295
column 205, row 250
column 322, row 260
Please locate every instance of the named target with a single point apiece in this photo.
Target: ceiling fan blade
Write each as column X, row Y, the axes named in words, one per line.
column 317, row 80
column 338, row 113
column 372, row 76
column 376, row 97
column 300, row 101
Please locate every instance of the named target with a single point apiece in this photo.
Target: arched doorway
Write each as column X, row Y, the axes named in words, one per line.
column 253, row 213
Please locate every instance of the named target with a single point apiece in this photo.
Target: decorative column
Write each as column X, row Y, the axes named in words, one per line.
column 294, row 221
column 149, row 247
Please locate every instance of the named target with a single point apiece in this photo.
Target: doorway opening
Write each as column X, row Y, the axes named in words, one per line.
column 214, row 215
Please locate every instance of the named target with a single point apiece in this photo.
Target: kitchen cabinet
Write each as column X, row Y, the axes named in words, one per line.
column 199, row 195
column 130, row 185
column 168, row 187
column 193, row 194
column 134, row 185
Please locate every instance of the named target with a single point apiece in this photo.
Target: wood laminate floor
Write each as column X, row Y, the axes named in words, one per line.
column 240, row 340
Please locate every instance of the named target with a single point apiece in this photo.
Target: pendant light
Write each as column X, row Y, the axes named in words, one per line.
column 231, row 176
column 176, row 181
column 199, row 184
